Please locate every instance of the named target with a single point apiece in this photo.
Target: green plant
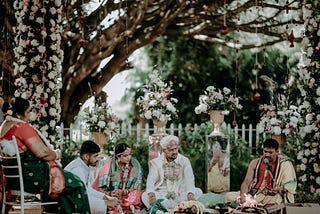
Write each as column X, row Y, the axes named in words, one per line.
column 306, row 197
column 240, row 157
column 193, row 146
column 69, row 151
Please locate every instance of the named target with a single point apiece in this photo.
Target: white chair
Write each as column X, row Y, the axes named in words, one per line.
column 11, row 168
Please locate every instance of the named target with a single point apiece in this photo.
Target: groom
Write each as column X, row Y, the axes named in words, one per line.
column 170, row 179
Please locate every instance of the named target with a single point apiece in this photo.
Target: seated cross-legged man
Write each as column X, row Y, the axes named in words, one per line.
column 89, row 153
column 170, row 179
column 270, row 178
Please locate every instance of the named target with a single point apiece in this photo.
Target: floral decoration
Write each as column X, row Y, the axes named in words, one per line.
column 38, row 54
column 250, row 201
column 189, row 207
column 100, row 118
column 171, row 172
column 279, row 121
column 308, row 167
column 156, row 103
column 217, row 99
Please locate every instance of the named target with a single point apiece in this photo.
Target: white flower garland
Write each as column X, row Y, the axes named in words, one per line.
column 38, row 54
column 171, row 176
column 309, row 69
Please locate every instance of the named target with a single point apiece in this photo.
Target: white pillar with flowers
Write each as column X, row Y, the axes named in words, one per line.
column 217, row 103
column 156, row 104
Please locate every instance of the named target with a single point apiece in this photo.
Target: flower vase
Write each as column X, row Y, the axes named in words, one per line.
column 160, row 127
column 100, row 138
column 216, row 118
column 281, row 138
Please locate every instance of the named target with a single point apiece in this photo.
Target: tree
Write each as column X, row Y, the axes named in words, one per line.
column 181, row 62
column 99, row 36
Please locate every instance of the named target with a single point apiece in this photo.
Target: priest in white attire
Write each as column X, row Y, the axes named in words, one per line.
column 170, row 179
column 89, row 154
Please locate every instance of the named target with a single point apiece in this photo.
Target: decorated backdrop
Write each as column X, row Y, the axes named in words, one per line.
column 37, row 60
column 308, row 169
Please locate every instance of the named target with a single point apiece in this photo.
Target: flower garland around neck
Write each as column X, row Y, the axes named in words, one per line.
column 124, row 175
column 171, row 173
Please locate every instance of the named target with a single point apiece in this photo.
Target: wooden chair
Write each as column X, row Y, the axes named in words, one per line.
column 12, row 173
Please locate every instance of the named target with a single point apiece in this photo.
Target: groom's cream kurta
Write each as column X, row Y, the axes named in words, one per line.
column 181, row 187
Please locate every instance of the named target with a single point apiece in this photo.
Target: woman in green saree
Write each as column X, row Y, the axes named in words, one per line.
column 40, row 166
column 121, row 176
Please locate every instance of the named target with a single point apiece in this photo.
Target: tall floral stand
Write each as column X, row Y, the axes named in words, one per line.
column 217, row 156
column 154, row 139
column 281, row 138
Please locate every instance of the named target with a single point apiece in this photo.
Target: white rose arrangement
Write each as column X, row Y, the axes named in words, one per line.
column 100, row 119
column 217, row 99
column 156, row 103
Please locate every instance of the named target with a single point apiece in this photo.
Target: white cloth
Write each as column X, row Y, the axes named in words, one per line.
column 181, row 187
column 79, row 168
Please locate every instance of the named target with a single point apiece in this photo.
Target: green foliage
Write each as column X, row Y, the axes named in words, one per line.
column 70, row 151
column 193, row 146
column 240, row 157
column 182, row 62
column 306, row 197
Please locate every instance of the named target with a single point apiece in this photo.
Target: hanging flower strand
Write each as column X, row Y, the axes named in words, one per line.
column 83, row 42
column 225, row 28
column 38, row 35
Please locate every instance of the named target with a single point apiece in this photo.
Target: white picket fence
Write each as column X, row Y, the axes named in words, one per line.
column 248, row 133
